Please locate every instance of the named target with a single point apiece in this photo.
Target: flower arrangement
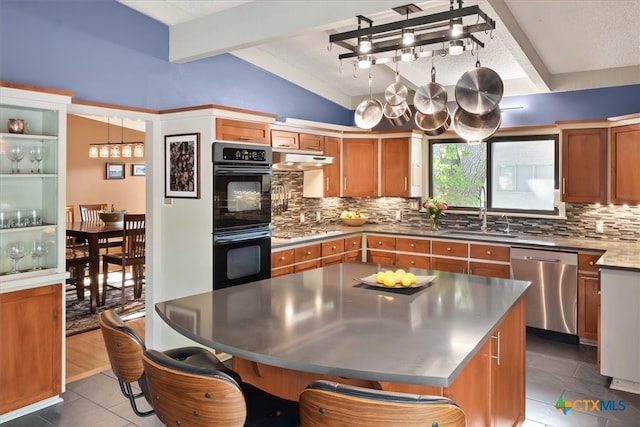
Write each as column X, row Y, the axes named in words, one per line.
column 435, row 209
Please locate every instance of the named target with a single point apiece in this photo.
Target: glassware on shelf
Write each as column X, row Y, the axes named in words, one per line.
column 16, row 251
column 37, row 251
column 5, row 219
column 36, row 155
column 34, row 217
column 16, row 154
column 20, row 219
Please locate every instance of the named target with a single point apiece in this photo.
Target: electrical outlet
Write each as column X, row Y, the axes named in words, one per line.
column 599, row 227
column 301, row 218
column 318, row 216
column 398, row 215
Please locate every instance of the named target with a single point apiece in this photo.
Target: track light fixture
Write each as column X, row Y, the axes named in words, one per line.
column 426, row 34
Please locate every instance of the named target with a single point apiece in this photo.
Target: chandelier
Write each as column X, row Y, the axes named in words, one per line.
column 451, row 32
column 116, row 149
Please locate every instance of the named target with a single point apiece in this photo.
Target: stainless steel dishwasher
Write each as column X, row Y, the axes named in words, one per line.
column 552, row 298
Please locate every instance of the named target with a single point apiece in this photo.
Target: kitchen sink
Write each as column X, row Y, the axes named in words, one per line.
column 465, row 233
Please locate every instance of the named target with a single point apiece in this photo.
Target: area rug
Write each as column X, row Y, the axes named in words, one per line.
column 80, row 320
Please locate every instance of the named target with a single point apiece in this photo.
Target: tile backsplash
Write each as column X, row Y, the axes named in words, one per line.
column 620, row 223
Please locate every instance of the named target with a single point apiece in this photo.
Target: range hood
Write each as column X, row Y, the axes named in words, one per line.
column 299, row 161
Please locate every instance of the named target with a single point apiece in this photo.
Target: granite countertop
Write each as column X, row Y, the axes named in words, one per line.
column 617, row 254
column 326, row 321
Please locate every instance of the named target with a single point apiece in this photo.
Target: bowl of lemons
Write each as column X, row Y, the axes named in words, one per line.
column 396, row 279
column 353, row 218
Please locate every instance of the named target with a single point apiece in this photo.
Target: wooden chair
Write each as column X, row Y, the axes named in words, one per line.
column 133, row 255
column 91, row 213
column 125, row 347
column 184, row 395
column 330, row 404
column 77, row 259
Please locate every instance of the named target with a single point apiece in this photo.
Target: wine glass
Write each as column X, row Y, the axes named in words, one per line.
column 15, row 251
column 35, row 155
column 37, row 251
column 16, row 154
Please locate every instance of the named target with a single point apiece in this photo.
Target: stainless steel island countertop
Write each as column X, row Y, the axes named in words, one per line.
column 326, row 321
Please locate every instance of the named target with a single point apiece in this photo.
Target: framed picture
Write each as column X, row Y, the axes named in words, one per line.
column 115, row 170
column 182, row 166
column 138, row 170
column 188, row 318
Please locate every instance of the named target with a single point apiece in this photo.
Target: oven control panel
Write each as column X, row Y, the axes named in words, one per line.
column 241, row 153
column 231, row 154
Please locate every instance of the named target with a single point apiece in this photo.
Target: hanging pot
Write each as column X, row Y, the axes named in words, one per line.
column 433, row 124
column 475, row 128
column 430, row 98
column 479, row 91
column 396, row 93
column 397, row 114
column 369, row 112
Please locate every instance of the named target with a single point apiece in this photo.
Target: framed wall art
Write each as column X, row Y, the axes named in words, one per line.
column 182, row 165
column 115, row 170
column 138, row 170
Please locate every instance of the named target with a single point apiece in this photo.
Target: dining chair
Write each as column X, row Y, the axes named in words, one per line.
column 185, row 395
column 133, row 255
column 125, row 347
column 91, row 213
column 330, row 404
column 77, row 258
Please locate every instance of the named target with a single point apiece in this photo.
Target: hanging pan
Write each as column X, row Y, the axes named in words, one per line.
column 397, row 115
column 479, row 91
column 396, row 93
column 433, row 124
column 430, row 98
column 369, row 112
column 475, row 128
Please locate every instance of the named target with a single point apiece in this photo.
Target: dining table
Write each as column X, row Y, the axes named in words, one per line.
column 92, row 233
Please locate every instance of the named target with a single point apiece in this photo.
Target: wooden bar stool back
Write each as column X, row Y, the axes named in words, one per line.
column 330, row 404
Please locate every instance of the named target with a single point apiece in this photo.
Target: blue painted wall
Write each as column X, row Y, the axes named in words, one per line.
column 106, row 52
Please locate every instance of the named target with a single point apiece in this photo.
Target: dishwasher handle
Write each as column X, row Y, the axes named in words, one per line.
column 535, row 258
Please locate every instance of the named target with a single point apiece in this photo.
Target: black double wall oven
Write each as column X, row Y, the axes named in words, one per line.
column 241, row 213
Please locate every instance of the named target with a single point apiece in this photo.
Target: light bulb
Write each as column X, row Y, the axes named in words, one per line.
column 456, row 47
column 138, row 150
column 407, row 54
column 104, row 151
column 126, row 151
column 408, row 37
column 93, row 151
column 365, row 61
column 114, row 151
column 456, row 27
column 365, row 45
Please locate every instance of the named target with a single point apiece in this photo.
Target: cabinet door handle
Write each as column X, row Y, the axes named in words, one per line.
column 327, row 183
column 449, row 249
column 498, row 339
column 353, row 243
column 590, row 262
column 345, row 183
column 405, row 183
column 334, row 247
column 379, row 243
column 488, row 252
column 412, row 262
column 308, row 252
column 413, row 245
column 563, row 185
column 282, row 259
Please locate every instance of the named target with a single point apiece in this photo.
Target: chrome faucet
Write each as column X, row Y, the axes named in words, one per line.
column 508, row 229
column 482, row 214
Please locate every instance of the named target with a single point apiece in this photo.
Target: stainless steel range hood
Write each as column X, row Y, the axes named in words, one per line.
column 299, row 161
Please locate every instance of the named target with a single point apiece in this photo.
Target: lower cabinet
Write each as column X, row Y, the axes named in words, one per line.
column 449, row 256
column 381, row 249
column 30, row 346
column 353, row 249
column 489, row 260
column 307, row 257
column 588, row 297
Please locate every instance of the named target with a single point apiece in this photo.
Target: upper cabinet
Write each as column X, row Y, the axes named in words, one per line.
column 400, row 170
column 32, row 164
column 360, row 167
column 332, row 172
column 584, row 165
column 295, row 140
column 241, row 131
column 625, row 158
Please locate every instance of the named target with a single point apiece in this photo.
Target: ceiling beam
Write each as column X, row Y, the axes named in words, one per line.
column 262, row 21
column 520, row 47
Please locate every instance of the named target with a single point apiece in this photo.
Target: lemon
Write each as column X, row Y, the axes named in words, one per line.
column 388, row 272
column 401, row 271
column 389, row 280
column 380, row 277
column 406, row 281
column 413, row 277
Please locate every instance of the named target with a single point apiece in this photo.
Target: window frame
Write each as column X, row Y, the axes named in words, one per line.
column 557, row 211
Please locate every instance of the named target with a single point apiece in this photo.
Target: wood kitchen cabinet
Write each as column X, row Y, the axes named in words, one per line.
column 584, row 165
column 282, row 262
column 241, row 131
column 310, row 141
column 31, row 339
column 489, row 260
column 449, row 256
column 332, row 172
column 353, row 248
column 332, row 252
column 395, row 167
column 625, row 158
column 307, row 257
column 588, row 297
column 284, row 139
column 381, row 249
column 360, row 167
column 413, row 252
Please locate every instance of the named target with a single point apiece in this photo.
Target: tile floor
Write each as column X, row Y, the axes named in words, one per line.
column 553, row 369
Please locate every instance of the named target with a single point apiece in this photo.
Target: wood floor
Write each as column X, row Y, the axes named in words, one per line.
column 86, row 353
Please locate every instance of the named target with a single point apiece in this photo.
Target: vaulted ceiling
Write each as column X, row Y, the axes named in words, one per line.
column 538, row 46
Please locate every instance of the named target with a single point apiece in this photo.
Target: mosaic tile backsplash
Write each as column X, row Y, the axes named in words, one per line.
column 620, row 223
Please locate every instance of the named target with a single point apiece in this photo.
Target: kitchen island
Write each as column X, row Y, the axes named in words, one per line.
column 461, row 337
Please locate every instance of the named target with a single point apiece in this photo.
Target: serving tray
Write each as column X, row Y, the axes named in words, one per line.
column 420, row 282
